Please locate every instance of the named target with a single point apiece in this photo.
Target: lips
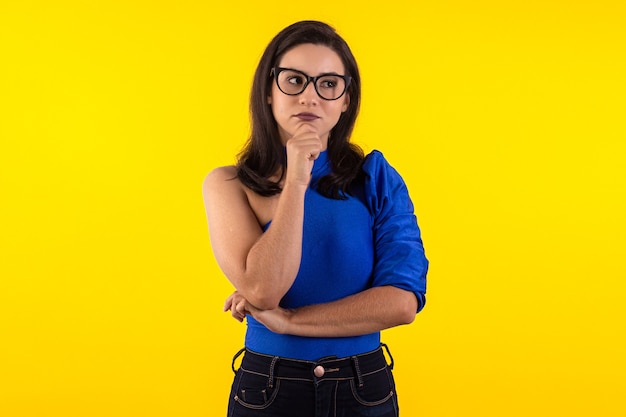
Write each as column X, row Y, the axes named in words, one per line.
column 307, row 116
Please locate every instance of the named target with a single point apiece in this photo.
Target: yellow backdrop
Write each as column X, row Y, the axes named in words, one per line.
column 505, row 117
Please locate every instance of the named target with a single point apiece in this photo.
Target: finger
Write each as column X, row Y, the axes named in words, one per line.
column 228, row 303
column 238, row 316
column 235, row 313
column 241, row 307
column 307, row 146
column 312, row 156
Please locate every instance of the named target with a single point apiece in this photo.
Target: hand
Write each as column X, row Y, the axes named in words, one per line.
column 276, row 320
column 237, row 304
column 302, row 149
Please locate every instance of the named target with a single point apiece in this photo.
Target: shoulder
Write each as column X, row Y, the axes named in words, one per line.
column 383, row 184
column 375, row 165
column 220, row 174
column 373, row 158
column 224, row 194
column 221, row 179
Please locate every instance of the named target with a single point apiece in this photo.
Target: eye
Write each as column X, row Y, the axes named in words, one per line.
column 295, row 79
column 328, row 84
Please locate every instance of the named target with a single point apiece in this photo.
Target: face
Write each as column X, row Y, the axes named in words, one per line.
column 308, row 107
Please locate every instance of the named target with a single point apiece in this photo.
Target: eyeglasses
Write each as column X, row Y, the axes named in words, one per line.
column 293, row 82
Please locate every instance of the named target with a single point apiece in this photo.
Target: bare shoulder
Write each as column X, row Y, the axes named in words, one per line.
column 222, row 180
column 233, row 226
column 219, row 175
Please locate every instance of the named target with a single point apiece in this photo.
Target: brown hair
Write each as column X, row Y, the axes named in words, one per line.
column 264, row 154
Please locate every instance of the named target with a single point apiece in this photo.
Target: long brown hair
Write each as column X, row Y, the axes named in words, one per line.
column 264, row 154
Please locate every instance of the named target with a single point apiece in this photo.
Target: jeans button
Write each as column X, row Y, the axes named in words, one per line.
column 319, row 371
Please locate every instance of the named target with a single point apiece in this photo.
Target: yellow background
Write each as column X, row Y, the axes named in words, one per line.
column 506, row 119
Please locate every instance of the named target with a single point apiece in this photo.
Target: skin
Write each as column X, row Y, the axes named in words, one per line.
column 262, row 266
column 312, row 60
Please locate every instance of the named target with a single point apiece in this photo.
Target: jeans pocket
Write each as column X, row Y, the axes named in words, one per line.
column 377, row 388
column 253, row 390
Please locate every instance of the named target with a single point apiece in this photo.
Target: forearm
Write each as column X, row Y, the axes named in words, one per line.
column 262, row 265
column 273, row 261
column 367, row 312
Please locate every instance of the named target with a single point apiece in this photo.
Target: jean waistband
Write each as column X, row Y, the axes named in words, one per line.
column 276, row 367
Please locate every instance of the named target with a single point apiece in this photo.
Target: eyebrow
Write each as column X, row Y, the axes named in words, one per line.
column 318, row 75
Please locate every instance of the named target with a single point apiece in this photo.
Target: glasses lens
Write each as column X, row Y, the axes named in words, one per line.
column 330, row 87
column 291, row 82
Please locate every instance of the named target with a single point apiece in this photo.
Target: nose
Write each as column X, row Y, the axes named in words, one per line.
column 309, row 95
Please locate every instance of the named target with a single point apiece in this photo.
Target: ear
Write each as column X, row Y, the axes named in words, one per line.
column 346, row 103
column 269, row 99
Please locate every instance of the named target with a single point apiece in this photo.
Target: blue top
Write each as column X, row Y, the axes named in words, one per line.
column 371, row 239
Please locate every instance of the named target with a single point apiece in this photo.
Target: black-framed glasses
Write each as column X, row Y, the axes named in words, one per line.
column 329, row 86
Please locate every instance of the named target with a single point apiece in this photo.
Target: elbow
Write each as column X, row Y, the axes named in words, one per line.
column 258, row 292
column 407, row 308
column 263, row 299
column 265, row 303
column 407, row 316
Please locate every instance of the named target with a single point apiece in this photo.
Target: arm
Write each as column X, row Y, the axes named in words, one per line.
column 399, row 277
column 261, row 266
column 248, row 257
column 367, row 312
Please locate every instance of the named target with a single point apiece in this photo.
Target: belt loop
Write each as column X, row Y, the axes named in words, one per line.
column 355, row 360
column 388, row 353
column 235, row 358
column 270, row 382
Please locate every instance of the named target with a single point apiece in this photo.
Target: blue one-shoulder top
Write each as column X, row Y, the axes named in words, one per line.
column 370, row 239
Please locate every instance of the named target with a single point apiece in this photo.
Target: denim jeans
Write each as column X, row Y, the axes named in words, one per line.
column 357, row 386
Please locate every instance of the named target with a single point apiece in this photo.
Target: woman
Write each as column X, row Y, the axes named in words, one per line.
column 320, row 242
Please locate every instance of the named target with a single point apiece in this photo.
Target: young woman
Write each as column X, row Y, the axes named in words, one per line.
column 320, row 241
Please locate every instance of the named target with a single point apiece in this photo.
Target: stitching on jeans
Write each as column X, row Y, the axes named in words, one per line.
column 376, row 371
column 252, row 372
column 336, row 388
column 275, row 358
column 286, row 378
column 369, row 403
column 263, row 406
column 358, row 370
column 307, row 379
column 271, row 377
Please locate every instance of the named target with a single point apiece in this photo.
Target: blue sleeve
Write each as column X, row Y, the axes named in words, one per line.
column 399, row 253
